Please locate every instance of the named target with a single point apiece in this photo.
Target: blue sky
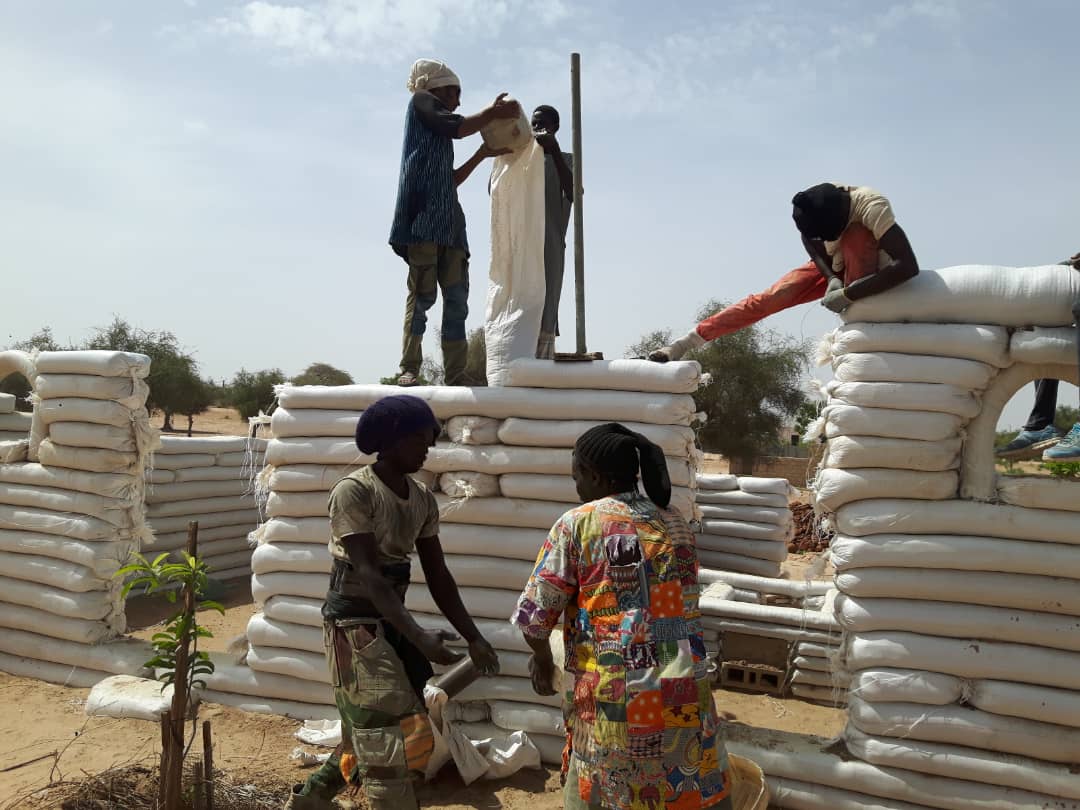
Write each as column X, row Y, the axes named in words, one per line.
column 227, row 170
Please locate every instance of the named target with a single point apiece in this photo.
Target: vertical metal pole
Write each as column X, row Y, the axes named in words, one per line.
column 579, row 222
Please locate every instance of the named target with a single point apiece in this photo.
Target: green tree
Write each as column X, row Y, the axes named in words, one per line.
column 253, row 391
column 1065, row 417
column 757, row 387
column 197, row 395
column 322, row 374
column 16, row 384
column 807, row 413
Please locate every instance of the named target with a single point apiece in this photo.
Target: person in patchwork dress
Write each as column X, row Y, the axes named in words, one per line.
column 621, row 575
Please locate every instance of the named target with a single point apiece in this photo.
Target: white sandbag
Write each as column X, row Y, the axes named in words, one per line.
column 864, row 615
column 196, row 490
column 122, row 657
column 103, row 558
column 263, row 631
column 767, row 585
column 296, row 504
column 775, row 550
column 151, row 477
column 14, row 451
column 532, row 719
column 835, row 682
column 99, row 362
column 812, row 663
column 207, row 537
column 295, row 530
column 611, row 375
column 991, row 588
column 233, row 540
column 15, row 423
column 515, row 297
column 295, row 610
column 511, row 664
column 891, row 685
column 718, row 482
column 492, row 541
column 549, row 746
column 199, row 506
column 313, row 422
column 890, row 367
column 740, row 498
column 118, row 513
column 960, row 762
column 297, row 558
column 179, row 523
column 959, row 725
column 1008, row 296
column 283, row 708
column 889, row 516
column 746, row 514
column 834, row 487
column 107, row 485
column 7, row 403
column 1039, row 493
column 956, row 552
column 324, row 451
column 81, row 527
column 502, row 403
column 63, row 674
column 91, row 459
column 987, row 344
column 177, row 445
column 312, row 586
column 502, row 687
column 749, row 531
column 178, row 461
column 909, row 396
column 95, row 411
column 87, row 434
column 242, row 680
column 795, row 794
column 485, row 572
column 128, row 697
column 89, row 605
column 738, row 563
column 849, row 420
column 50, row 571
column 674, row 440
column 519, row 512
column 81, row 631
column 245, row 458
column 1038, row 345
column 307, row 477
column 12, row 435
column 993, row 660
column 789, row 617
column 793, row 635
column 190, row 474
column 225, row 565
column 498, row 631
column 473, row 430
column 766, row 486
column 126, row 391
column 1045, row 705
column 488, row 603
column 851, row 452
column 463, row 484
column 559, row 488
column 293, row 663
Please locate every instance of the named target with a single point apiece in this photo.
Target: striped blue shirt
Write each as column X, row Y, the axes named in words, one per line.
column 427, row 207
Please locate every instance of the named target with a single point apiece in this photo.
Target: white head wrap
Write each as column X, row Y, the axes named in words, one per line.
column 427, row 74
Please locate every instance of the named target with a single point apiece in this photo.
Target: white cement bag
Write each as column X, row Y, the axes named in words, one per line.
column 559, row 488
column 1057, row 706
column 16, row 423
column 784, row 587
column 767, row 486
column 489, row 603
column 747, row 514
column 525, row 514
column 473, row 430
column 263, row 631
column 295, row 530
column 81, row 527
column 307, row 477
column 959, row 762
column 501, row 403
column 180, row 461
column 1056, row 346
column 89, row 459
column 313, row 423
column 889, row 516
column 1008, row 296
column 179, row 523
column 613, row 375
column 87, row 434
column 1039, row 493
column 793, row 635
column 196, row 490
column 282, row 708
column 98, row 362
column 516, row 283
column 128, row 697
column 502, row 687
column 126, row 391
column 293, row 663
column 934, row 397
column 464, row 484
column 323, row 451
column 103, row 558
column 890, row 685
column 199, row 506
column 75, row 677
column 296, row 504
column 207, row 537
column 737, row 497
column 992, row 660
column 889, row 367
column 499, row 632
column 848, row 420
column 789, row 617
column 492, row 541
column 297, row 558
column 749, row 531
column 719, row 483
column 50, row 571
column 483, row 572
column 987, row 344
column 295, row 609
column 117, row 486
column 498, row 459
column 849, row 452
column 738, row 563
column 954, row 551
column 7, row 403
column 311, row 586
column 797, row 794
column 833, row 488
column 531, row 719
column 235, row 679
column 96, row 411
column 239, row 458
column 81, row 631
column 123, row 657
column 14, row 451
column 674, row 440
column 866, row 615
column 189, row 474
column 118, row 513
column 215, row 445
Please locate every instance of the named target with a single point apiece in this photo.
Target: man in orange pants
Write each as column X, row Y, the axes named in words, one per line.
column 856, row 250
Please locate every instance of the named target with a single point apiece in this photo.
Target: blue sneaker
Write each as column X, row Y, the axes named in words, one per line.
column 1029, row 442
column 1068, row 449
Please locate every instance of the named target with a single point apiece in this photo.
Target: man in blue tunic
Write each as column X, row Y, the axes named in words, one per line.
column 429, row 225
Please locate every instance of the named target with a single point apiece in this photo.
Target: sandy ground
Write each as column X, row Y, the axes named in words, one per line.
column 216, row 421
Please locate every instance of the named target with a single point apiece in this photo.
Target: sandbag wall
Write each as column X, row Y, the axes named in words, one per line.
column 502, row 476
column 745, row 523
column 958, row 590
column 210, row 479
column 70, row 516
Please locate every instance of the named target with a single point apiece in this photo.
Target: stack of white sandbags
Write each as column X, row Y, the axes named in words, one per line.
column 814, row 672
column 960, row 615
column 502, row 480
column 208, row 479
column 745, row 523
column 70, row 518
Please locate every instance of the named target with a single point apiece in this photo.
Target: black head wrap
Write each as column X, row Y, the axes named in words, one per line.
column 821, row 212
column 619, row 453
column 390, row 419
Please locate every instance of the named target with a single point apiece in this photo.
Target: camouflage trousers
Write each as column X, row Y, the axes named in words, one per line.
column 384, row 725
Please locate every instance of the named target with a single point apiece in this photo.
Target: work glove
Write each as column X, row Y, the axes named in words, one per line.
column 835, row 299
column 691, row 340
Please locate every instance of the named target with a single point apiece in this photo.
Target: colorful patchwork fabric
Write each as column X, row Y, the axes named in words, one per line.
column 622, row 576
